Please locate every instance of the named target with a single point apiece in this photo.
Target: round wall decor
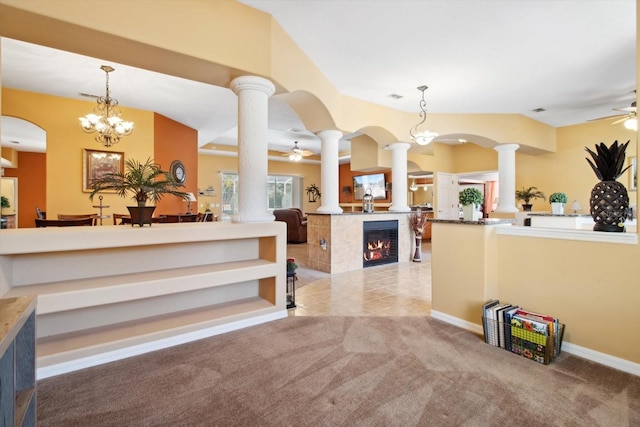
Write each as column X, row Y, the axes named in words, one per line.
column 178, row 172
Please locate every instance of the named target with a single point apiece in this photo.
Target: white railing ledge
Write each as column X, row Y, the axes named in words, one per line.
column 569, row 234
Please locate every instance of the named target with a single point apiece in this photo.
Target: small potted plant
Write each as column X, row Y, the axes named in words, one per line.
column 526, row 194
column 557, row 201
column 5, row 204
column 470, row 199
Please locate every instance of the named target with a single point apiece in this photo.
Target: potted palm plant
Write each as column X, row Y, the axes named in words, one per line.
column 470, row 199
column 527, row 194
column 557, row 201
column 145, row 182
column 609, row 200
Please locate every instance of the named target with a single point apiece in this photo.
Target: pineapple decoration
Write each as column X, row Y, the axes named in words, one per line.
column 609, row 200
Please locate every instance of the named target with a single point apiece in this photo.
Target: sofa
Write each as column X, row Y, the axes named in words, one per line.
column 296, row 224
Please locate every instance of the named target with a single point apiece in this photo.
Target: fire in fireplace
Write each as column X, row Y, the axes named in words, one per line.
column 380, row 242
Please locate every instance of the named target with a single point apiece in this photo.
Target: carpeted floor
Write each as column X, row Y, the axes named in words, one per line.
column 341, row 371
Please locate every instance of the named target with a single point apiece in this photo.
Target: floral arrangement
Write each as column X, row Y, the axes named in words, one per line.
column 417, row 222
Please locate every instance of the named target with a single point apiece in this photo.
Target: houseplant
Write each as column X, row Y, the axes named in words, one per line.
column 145, row 182
column 313, row 193
column 470, row 199
column 4, row 203
column 557, row 201
column 609, row 199
column 526, row 194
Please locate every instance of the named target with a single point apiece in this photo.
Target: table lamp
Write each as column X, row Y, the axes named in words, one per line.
column 575, row 206
column 190, row 198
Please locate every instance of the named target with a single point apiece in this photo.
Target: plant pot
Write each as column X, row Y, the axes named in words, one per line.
column 470, row 213
column 526, row 207
column 141, row 215
column 557, row 208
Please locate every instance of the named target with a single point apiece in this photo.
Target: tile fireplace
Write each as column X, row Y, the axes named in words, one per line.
column 379, row 243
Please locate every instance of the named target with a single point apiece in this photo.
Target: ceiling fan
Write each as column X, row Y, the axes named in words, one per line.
column 628, row 116
column 296, row 154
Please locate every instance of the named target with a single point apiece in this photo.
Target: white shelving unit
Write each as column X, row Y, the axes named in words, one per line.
column 109, row 292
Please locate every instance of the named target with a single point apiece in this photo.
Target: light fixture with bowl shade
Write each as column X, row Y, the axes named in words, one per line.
column 631, row 123
column 422, row 137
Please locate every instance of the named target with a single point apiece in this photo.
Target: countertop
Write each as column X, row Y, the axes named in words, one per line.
column 482, row 221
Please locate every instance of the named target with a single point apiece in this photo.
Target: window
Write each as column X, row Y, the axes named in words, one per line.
column 282, row 192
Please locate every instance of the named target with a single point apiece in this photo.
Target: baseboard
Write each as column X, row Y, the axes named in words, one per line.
column 473, row 327
column 123, row 353
column 586, row 353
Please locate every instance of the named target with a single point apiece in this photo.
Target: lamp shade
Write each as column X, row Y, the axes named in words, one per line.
column 575, row 206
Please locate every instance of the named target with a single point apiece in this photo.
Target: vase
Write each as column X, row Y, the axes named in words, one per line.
column 557, row 208
column 470, row 213
column 417, row 256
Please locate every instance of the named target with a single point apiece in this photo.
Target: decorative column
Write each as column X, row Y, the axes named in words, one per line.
column 399, row 177
column 507, row 177
column 253, row 96
column 329, row 173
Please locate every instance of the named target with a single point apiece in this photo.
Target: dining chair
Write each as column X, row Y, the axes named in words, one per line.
column 79, row 216
column 121, row 219
column 41, row 223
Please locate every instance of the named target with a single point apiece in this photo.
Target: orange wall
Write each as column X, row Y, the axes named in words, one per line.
column 175, row 141
column 346, row 180
column 32, row 184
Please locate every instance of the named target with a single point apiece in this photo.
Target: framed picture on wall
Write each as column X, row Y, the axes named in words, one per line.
column 97, row 163
column 633, row 174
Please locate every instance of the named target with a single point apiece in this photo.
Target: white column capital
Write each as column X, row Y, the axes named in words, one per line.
column 399, row 146
column 252, row 83
column 329, row 134
column 506, row 147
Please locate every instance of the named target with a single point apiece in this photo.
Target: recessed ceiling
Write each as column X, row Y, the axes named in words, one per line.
column 573, row 58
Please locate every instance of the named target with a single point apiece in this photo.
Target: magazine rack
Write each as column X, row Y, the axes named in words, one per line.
column 526, row 343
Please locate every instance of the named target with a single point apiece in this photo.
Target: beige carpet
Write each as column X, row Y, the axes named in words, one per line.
column 341, row 371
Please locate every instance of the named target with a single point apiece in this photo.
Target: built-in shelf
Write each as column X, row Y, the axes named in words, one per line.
column 108, row 292
column 17, row 361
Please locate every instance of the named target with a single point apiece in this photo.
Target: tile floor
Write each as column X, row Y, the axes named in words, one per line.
column 402, row 289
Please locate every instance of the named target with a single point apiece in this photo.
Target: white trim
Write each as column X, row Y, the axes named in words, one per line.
column 602, row 358
column 135, row 350
column 586, row 353
column 473, row 327
column 569, row 234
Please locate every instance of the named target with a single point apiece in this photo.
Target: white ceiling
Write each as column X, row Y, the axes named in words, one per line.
column 574, row 58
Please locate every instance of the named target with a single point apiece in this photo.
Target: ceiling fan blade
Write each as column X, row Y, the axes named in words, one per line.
column 622, row 119
column 608, row 117
column 631, row 109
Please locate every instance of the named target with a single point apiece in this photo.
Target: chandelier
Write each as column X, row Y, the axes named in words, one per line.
column 106, row 119
column 422, row 137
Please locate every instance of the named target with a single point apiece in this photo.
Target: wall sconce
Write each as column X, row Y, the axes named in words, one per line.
column 323, row 244
column 413, row 186
column 346, row 190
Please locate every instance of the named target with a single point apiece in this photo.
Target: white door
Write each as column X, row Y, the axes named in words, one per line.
column 447, row 196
